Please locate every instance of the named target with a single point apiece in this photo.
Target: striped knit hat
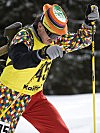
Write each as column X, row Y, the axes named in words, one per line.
column 55, row 19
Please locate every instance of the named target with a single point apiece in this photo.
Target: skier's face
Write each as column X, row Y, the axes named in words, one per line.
column 46, row 36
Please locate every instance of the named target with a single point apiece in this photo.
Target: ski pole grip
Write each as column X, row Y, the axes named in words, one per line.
column 92, row 9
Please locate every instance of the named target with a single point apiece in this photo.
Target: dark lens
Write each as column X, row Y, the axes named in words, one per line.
column 51, row 35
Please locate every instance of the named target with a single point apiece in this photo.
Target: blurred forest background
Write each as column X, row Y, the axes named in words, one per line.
column 72, row 74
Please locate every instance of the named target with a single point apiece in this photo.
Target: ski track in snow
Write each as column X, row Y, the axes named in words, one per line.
column 76, row 111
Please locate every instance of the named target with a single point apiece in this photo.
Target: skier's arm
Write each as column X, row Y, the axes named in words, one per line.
column 81, row 39
column 20, row 51
column 22, row 58
column 75, row 41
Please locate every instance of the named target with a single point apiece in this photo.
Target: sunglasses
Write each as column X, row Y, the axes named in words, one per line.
column 51, row 35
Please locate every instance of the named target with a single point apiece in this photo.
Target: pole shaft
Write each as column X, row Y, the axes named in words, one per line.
column 93, row 80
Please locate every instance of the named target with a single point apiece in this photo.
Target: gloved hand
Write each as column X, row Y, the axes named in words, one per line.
column 51, row 51
column 54, row 51
column 92, row 14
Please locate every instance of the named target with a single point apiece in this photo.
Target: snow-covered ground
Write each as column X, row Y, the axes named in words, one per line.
column 76, row 110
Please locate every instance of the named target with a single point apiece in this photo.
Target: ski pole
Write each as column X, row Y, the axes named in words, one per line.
column 93, row 76
column 3, row 50
column 93, row 80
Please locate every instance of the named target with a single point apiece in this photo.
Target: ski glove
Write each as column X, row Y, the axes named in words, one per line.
column 54, row 51
column 51, row 52
column 91, row 14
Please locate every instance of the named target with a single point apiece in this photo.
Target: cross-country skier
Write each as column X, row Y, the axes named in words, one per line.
column 29, row 60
